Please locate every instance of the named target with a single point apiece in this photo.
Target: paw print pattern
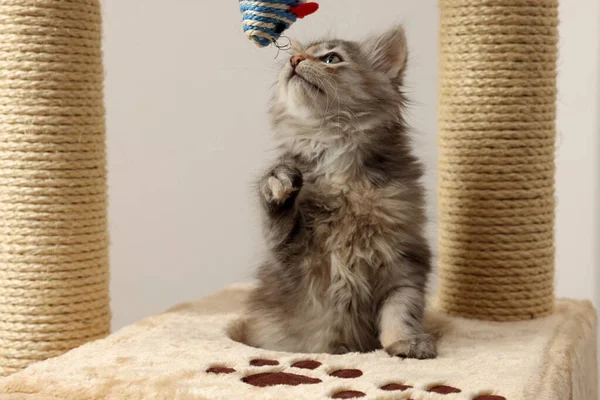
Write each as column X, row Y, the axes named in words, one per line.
column 391, row 387
column 307, row 364
column 265, row 379
column 489, row 397
column 348, row 394
column 279, row 378
column 442, row 389
column 347, row 373
column 220, row 370
column 259, row 362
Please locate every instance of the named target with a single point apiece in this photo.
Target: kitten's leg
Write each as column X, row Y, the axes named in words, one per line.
column 266, row 327
column 265, row 333
column 401, row 331
column 278, row 191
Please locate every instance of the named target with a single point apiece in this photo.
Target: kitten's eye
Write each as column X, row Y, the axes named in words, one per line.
column 332, row 58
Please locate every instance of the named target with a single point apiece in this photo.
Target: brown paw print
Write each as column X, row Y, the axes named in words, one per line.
column 307, row 364
column 220, row 370
column 348, row 394
column 259, row 362
column 279, row 378
column 442, row 389
column 347, row 373
column 275, row 378
column 391, row 387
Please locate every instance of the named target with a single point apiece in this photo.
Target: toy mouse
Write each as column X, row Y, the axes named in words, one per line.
column 265, row 20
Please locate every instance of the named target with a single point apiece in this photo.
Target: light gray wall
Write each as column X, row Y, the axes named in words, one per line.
column 187, row 133
column 577, row 175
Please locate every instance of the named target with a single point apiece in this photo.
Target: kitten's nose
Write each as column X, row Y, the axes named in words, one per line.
column 295, row 60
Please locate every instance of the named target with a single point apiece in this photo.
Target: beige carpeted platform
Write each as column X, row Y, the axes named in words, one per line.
column 168, row 356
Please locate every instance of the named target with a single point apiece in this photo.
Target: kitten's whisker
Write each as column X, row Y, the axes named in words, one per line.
column 327, row 104
column 336, row 93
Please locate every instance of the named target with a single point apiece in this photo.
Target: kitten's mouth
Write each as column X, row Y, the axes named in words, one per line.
column 296, row 75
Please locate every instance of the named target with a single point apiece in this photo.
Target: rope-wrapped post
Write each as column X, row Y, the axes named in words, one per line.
column 53, row 231
column 496, row 157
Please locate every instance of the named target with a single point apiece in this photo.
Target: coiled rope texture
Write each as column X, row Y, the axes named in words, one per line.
column 53, row 232
column 496, row 161
column 265, row 20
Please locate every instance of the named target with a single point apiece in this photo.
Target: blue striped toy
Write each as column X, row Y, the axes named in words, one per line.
column 265, row 20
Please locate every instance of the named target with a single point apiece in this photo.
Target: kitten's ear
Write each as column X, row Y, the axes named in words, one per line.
column 388, row 52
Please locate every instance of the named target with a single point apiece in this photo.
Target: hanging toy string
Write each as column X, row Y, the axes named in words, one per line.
column 264, row 21
column 282, row 47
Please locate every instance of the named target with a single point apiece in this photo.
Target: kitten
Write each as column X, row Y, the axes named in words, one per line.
column 343, row 208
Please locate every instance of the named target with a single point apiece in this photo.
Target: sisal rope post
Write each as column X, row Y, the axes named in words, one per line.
column 53, row 231
column 496, row 158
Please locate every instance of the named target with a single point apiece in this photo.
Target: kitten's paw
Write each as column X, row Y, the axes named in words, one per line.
column 280, row 184
column 420, row 346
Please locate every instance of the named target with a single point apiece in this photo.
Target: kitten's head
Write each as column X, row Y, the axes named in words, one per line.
column 333, row 79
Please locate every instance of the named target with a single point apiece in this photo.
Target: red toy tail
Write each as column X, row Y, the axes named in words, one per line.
column 305, row 9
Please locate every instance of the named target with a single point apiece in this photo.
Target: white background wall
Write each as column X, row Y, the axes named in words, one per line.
column 578, row 150
column 187, row 134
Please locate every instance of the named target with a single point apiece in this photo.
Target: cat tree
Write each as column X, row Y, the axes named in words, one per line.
column 496, row 204
column 53, row 234
column 496, row 158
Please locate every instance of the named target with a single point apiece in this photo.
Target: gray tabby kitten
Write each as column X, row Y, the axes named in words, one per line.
column 343, row 208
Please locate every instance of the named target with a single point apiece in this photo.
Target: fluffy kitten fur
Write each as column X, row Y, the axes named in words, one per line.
column 343, row 208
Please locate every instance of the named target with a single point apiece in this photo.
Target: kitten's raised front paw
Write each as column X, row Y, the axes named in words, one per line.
column 420, row 346
column 280, row 184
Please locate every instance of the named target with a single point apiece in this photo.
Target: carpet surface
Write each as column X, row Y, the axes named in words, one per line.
column 188, row 353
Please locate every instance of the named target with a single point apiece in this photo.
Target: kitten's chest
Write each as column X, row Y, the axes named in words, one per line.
column 354, row 225
column 352, row 229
